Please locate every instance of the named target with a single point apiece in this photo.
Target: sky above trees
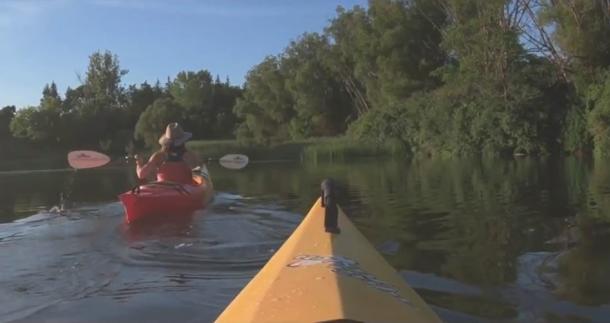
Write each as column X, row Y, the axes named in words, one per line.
column 51, row 40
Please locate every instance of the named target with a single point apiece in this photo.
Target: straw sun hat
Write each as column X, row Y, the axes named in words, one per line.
column 174, row 135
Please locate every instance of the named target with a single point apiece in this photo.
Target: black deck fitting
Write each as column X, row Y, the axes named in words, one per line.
column 329, row 203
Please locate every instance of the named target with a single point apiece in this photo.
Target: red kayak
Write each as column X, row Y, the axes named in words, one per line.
column 166, row 198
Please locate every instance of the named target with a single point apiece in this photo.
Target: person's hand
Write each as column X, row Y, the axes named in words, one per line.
column 139, row 160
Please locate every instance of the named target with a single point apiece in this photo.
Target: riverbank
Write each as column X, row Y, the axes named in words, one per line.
column 23, row 155
column 318, row 149
column 29, row 156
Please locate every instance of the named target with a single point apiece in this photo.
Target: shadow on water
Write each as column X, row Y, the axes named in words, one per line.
column 481, row 240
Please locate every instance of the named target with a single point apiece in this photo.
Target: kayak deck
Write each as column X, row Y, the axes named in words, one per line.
column 318, row 276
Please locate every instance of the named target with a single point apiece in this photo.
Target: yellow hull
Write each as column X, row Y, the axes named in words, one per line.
column 318, row 276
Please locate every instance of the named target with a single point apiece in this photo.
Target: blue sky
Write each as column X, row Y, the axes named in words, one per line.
column 50, row 40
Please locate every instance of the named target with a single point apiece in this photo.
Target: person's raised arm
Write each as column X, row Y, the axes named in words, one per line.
column 146, row 170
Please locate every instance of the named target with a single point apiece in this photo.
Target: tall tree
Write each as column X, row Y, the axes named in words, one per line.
column 156, row 117
column 6, row 116
column 351, row 33
column 266, row 106
column 582, row 30
column 50, row 91
column 100, row 113
column 139, row 98
column 407, row 48
column 223, row 100
column 579, row 30
column 388, row 52
column 208, row 103
column 193, row 91
column 103, row 78
column 41, row 123
column 321, row 105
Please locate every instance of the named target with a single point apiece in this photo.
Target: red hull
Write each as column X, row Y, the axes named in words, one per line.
column 166, row 199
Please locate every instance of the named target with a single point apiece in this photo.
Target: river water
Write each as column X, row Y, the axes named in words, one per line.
column 522, row 240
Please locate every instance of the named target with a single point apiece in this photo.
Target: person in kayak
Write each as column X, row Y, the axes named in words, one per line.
column 172, row 163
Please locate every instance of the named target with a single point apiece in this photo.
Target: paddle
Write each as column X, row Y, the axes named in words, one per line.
column 80, row 159
column 84, row 159
column 234, row 161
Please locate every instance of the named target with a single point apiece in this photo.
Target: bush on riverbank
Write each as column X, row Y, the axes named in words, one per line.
column 319, row 149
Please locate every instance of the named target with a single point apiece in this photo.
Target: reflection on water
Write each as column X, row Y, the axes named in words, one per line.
column 481, row 240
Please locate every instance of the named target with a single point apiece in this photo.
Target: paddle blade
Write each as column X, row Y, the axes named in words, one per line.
column 234, row 161
column 81, row 159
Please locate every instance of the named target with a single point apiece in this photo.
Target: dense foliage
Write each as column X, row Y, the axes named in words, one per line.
column 102, row 114
column 440, row 76
column 446, row 77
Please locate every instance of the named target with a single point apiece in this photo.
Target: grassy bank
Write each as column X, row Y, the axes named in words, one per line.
column 23, row 155
column 319, row 149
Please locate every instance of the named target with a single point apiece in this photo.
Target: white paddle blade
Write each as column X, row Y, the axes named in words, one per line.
column 234, row 161
column 81, row 159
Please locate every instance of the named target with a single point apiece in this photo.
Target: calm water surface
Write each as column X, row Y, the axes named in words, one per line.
column 482, row 241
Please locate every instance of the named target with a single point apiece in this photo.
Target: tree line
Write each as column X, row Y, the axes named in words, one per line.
column 440, row 76
column 444, row 77
column 102, row 114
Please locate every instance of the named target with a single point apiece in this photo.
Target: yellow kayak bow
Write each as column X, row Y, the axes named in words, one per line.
column 327, row 271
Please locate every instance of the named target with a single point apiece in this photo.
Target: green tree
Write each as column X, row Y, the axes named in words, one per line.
column 41, row 123
column 266, row 107
column 99, row 113
column 50, row 92
column 408, row 48
column 193, row 91
column 599, row 117
column 138, row 98
column 581, row 30
column 351, row 61
column 155, row 118
column 495, row 98
column 294, row 95
column 73, row 98
column 6, row 116
column 321, row 105
column 102, row 114
column 34, row 124
column 224, row 97
column 103, row 79
column 390, row 50
column 208, row 105
column 499, row 102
